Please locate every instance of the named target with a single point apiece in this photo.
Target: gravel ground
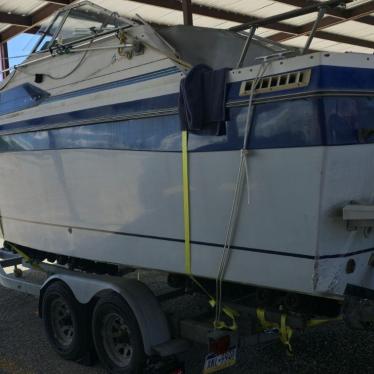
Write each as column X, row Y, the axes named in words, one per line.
column 329, row 349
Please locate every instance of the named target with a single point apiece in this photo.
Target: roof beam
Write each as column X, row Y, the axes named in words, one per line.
column 338, row 38
column 360, row 13
column 337, row 12
column 32, row 20
column 44, row 13
column 187, row 12
column 336, row 16
column 357, row 13
column 15, row 19
column 58, row 2
column 207, row 11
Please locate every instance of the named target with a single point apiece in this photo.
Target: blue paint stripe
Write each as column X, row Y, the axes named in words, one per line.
column 322, row 78
column 203, row 243
column 326, row 78
column 329, row 78
column 116, row 84
column 93, row 114
column 26, row 95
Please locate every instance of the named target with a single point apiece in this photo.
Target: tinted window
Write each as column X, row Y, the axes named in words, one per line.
column 286, row 124
column 349, row 120
column 148, row 134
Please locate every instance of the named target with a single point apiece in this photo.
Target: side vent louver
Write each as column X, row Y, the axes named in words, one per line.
column 287, row 81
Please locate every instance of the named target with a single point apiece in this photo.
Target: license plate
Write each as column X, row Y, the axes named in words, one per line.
column 215, row 362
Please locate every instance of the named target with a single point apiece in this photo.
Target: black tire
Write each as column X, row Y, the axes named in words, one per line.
column 65, row 322
column 116, row 335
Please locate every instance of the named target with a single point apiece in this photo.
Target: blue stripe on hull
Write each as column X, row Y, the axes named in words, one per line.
column 94, row 114
column 323, row 78
column 293, row 123
column 203, row 243
column 116, row 84
column 153, row 125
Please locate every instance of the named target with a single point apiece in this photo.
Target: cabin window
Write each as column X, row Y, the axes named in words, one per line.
column 85, row 21
column 280, row 124
column 286, row 124
column 78, row 23
column 48, row 31
column 349, row 120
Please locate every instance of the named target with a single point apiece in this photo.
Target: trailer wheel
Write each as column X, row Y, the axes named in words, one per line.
column 117, row 337
column 65, row 322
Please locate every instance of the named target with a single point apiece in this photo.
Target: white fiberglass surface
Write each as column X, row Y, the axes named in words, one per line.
column 140, row 193
column 347, row 178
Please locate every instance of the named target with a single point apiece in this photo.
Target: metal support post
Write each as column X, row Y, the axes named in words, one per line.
column 187, row 12
column 246, row 46
column 4, row 59
column 321, row 13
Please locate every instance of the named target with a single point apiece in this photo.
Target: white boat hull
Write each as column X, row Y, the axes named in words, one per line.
column 125, row 207
column 73, row 189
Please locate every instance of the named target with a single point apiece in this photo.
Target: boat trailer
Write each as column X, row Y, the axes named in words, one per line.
column 165, row 338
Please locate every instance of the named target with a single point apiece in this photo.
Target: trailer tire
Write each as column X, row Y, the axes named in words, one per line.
column 65, row 322
column 117, row 337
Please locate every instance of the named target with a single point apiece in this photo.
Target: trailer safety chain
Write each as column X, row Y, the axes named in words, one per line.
column 230, row 313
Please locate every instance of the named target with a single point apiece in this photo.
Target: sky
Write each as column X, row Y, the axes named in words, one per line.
column 21, row 45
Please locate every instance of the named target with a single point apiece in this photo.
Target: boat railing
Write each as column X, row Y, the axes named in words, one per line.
column 254, row 25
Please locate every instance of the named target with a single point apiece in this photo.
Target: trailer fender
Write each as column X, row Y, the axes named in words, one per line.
column 144, row 304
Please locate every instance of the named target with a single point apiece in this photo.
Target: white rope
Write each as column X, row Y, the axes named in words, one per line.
column 10, row 57
column 237, row 194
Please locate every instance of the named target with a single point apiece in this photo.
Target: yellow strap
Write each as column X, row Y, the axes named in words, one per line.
column 286, row 334
column 317, row 322
column 26, row 257
column 266, row 325
column 231, row 313
column 187, row 238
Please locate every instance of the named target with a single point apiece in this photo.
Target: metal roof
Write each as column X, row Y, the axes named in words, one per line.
column 342, row 29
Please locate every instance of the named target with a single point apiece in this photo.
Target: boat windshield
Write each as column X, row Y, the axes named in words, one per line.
column 76, row 23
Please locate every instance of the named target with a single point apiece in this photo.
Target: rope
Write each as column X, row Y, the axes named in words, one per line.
column 76, row 67
column 232, row 314
column 237, row 194
column 10, row 57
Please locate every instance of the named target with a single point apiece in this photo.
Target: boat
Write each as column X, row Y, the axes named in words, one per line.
column 95, row 161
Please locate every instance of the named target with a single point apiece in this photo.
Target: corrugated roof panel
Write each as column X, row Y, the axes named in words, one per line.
column 263, row 10
column 265, row 33
column 21, row 6
column 242, row 6
column 123, row 7
column 301, row 20
column 221, row 4
column 357, row 3
column 208, row 22
column 254, row 8
column 222, row 24
column 3, row 26
column 353, row 29
column 148, row 12
column 325, row 45
column 170, row 17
